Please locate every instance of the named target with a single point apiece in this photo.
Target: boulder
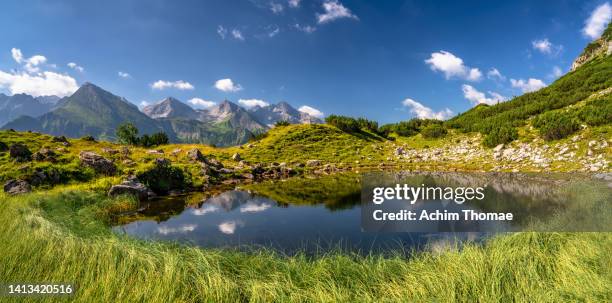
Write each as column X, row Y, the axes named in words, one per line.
column 3, row 147
column 131, row 187
column 110, row 151
column 47, row 176
column 236, row 157
column 155, row 152
column 312, row 163
column 20, row 152
column 15, row 187
column 196, row 155
column 100, row 164
column 44, row 154
column 162, row 162
column 498, row 148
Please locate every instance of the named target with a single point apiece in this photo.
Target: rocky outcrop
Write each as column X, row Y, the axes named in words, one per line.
column 196, row 155
column 15, row 187
column 20, row 152
column 599, row 47
column 45, row 154
column 99, row 164
column 312, row 163
column 3, row 147
column 131, row 187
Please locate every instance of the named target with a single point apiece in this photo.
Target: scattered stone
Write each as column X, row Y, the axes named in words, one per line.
column 100, row 164
column 236, row 157
column 125, row 151
column 20, row 152
column 61, row 139
column 3, row 147
column 15, row 187
column 311, row 163
column 176, row 152
column 131, row 187
column 155, row 152
column 196, row 155
column 498, row 148
column 44, row 154
column 48, row 176
column 110, row 151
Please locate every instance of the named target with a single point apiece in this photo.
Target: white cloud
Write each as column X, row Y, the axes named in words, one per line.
column 180, row 85
column 274, row 31
column 530, row 85
column 452, row 66
column 544, row 46
column 250, row 103
column 229, row 227
column 477, row 97
column 227, row 85
column 305, row 28
column 123, row 74
column 75, row 67
column 251, row 207
column 556, row 72
column 276, row 8
column 201, row 103
column 40, row 84
column 205, row 209
column 237, row 35
column 17, row 55
column 423, row 112
column 222, row 31
column 144, row 103
column 597, row 22
column 495, row 74
column 294, row 3
column 311, row 111
column 164, row 230
column 334, row 10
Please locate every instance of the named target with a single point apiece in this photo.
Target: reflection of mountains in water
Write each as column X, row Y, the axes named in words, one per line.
column 517, row 184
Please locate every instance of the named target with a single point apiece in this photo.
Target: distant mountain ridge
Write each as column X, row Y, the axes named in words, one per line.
column 12, row 107
column 93, row 111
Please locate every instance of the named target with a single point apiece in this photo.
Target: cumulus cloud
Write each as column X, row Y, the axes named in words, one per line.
column 252, row 207
column 423, row 112
column 452, row 66
column 276, row 8
column 305, row 28
column 546, row 47
column 180, row 85
column 294, row 3
column 17, row 55
column 334, row 10
column 201, row 103
column 222, row 31
column 556, row 72
column 123, row 74
column 76, row 67
column 31, row 80
column 311, row 111
column 526, row 86
column 40, row 84
column 250, row 103
column 495, row 74
column 227, row 85
column 165, row 230
column 597, row 22
column 477, row 97
column 205, row 209
column 237, row 34
column 229, row 227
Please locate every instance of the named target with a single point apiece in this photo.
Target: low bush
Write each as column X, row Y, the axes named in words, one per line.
column 500, row 135
column 556, row 125
column 434, row 131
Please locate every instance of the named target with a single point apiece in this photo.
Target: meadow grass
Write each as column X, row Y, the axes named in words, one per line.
column 63, row 235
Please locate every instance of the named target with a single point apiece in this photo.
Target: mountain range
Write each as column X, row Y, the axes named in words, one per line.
column 93, row 111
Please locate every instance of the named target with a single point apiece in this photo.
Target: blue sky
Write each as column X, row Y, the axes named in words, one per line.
column 385, row 60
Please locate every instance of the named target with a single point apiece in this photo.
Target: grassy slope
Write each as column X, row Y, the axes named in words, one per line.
column 61, row 236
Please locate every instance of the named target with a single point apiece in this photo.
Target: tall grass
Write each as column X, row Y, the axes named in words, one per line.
column 60, row 236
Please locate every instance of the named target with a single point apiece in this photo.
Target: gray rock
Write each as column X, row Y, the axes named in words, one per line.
column 100, row 164
column 131, row 187
column 236, row 157
column 15, row 187
column 312, row 163
column 196, row 155
column 20, row 152
column 110, row 151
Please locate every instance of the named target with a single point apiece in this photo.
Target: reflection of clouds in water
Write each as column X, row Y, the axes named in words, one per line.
column 205, row 209
column 252, row 207
column 229, row 227
column 450, row 241
column 164, row 230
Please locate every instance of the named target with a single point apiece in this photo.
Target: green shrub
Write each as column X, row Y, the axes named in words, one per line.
column 500, row 135
column 556, row 125
column 597, row 112
column 88, row 138
column 347, row 124
column 434, row 131
column 281, row 123
column 163, row 178
column 408, row 128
